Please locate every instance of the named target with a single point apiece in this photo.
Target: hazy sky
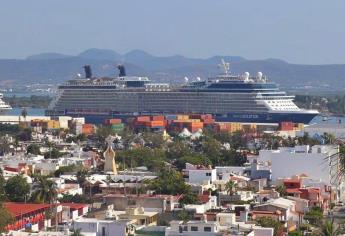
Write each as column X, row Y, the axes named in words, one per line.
column 299, row 31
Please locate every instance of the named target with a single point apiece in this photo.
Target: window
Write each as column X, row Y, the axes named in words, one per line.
column 207, row 229
column 194, row 228
column 208, row 174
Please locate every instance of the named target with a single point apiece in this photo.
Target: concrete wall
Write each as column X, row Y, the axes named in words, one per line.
column 97, row 227
column 313, row 162
column 315, row 166
column 201, row 176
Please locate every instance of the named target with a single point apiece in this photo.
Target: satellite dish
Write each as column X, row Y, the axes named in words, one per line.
column 186, row 79
column 79, row 75
column 198, row 78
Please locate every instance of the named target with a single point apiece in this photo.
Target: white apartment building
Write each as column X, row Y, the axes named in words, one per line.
column 200, row 174
column 319, row 162
column 104, row 227
column 193, row 228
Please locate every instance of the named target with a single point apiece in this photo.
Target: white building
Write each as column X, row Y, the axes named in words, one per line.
column 204, row 207
column 193, row 228
column 104, row 227
column 262, row 232
column 224, row 172
column 200, row 174
column 317, row 162
column 338, row 130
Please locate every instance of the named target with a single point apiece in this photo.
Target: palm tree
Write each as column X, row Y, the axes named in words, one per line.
column 231, row 187
column 329, row 229
column 76, row 232
column 24, row 113
column 45, row 190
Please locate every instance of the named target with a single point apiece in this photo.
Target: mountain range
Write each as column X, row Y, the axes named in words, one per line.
column 54, row 68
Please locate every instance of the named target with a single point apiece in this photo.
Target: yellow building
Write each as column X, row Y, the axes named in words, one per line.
column 139, row 216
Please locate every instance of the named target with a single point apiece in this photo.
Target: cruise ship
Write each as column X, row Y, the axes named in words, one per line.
column 4, row 108
column 230, row 98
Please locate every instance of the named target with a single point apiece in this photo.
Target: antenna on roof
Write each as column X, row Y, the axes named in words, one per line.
column 225, row 66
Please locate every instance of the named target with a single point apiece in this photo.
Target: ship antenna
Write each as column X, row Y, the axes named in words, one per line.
column 225, row 66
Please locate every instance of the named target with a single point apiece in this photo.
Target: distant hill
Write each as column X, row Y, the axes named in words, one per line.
column 47, row 56
column 56, row 68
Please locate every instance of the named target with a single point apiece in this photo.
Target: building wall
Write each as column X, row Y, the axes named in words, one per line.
column 200, row 176
column 315, row 166
column 294, row 161
column 97, row 226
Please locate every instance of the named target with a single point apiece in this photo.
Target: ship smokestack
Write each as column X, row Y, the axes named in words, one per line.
column 88, row 71
column 122, row 70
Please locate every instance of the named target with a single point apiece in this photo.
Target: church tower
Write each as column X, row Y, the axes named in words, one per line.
column 109, row 156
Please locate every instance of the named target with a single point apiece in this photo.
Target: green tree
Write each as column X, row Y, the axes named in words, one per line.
column 68, row 169
column 189, row 198
column 212, row 149
column 270, row 223
column 328, row 138
column 232, row 158
column 184, row 216
column 24, row 113
column 45, row 190
column 295, row 233
column 169, row 182
column 328, row 228
column 53, row 153
column 314, row 216
column 195, row 159
column 230, row 187
column 33, row 149
column 77, row 198
column 24, row 134
column 77, row 232
column 5, row 219
column 177, row 149
column 153, row 140
column 3, row 196
column 17, row 189
column 281, row 190
column 4, row 145
column 153, row 159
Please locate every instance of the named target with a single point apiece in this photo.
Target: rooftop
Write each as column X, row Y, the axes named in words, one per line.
column 18, row 209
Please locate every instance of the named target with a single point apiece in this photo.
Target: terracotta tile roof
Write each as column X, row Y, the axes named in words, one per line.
column 18, row 209
column 74, row 206
column 293, row 190
column 204, row 198
column 313, row 190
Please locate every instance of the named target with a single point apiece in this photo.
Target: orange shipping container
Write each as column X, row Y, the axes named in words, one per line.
column 158, row 118
column 156, row 123
column 87, row 125
column 143, row 118
column 113, row 121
